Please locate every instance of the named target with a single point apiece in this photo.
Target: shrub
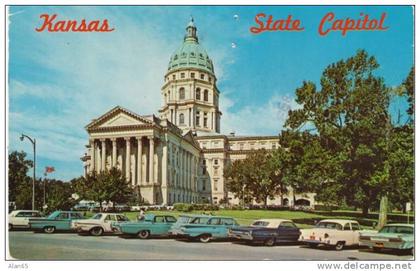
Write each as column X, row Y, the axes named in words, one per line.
column 183, row 207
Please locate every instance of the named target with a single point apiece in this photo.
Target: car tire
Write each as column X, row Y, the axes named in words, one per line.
column 49, row 229
column 313, row 245
column 377, row 249
column 339, row 246
column 205, row 238
column 144, row 234
column 270, row 242
column 97, row 231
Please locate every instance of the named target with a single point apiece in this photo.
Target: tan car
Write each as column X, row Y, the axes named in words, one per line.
column 99, row 224
column 336, row 233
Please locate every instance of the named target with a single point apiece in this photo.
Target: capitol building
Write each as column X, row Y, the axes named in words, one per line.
column 180, row 155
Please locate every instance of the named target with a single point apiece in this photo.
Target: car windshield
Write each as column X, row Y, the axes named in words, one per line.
column 260, row 224
column 53, row 214
column 183, row 219
column 200, row 220
column 329, row 225
column 397, row 229
column 97, row 216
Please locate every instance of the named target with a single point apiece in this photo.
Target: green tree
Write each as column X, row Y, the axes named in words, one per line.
column 350, row 115
column 17, row 174
column 236, row 177
column 105, row 186
column 58, row 195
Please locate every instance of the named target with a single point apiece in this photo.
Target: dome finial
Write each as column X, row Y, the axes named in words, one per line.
column 191, row 31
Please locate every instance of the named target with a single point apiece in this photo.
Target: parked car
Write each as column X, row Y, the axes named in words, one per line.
column 205, row 228
column 151, row 225
column 267, row 231
column 56, row 221
column 391, row 236
column 99, row 224
column 175, row 230
column 336, row 233
column 20, row 218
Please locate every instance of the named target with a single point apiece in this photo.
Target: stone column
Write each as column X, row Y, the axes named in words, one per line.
column 127, row 158
column 92, row 155
column 114, row 152
column 98, row 156
column 103, row 154
column 151, row 159
column 139, row 159
column 164, row 168
column 213, row 121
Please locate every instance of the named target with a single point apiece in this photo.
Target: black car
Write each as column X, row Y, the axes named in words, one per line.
column 267, row 231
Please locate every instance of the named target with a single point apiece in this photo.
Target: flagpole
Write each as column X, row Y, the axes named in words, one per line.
column 45, row 181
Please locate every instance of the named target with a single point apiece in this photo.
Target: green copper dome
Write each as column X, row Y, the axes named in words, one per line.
column 191, row 54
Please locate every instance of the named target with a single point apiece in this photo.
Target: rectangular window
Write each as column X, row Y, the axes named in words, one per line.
column 197, row 118
column 182, row 75
column 192, row 75
column 241, row 146
column 216, row 161
column 205, row 120
column 202, row 76
column 273, row 146
column 215, row 185
column 204, row 167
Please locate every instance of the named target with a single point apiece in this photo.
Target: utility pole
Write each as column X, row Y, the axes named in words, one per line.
column 33, row 141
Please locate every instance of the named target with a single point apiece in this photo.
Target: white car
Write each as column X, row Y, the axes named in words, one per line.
column 20, row 218
column 336, row 233
column 99, row 224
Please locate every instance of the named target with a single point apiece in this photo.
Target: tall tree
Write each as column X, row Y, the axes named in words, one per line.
column 350, row 116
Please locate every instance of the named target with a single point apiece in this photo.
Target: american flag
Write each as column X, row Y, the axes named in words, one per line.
column 49, row 169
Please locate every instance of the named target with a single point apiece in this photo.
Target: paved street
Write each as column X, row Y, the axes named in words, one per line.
column 26, row 245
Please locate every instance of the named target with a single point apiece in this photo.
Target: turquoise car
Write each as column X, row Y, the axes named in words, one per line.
column 151, row 225
column 204, row 228
column 56, row 221
column 391, row 236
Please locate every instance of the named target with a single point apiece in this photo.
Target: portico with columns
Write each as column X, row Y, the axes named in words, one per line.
column 141, row 147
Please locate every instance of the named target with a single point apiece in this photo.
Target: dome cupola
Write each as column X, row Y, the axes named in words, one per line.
column 191, row 54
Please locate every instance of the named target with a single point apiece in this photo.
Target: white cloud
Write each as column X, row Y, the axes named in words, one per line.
column 265, row 119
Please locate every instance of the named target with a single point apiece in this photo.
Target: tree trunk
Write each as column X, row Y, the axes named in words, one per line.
column 365, row 210
column 383, row 210
column 265, row 202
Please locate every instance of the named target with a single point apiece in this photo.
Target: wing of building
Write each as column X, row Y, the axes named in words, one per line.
column 180, row 155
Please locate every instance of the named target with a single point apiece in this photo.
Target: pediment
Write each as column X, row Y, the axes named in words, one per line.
column 118, row 117
column 190, row 138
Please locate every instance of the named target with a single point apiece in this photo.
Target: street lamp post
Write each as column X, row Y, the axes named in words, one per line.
column 33, row 141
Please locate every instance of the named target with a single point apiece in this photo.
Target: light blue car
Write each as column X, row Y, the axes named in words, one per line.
column 203, row 228
column 56, row 221
column 391, row 236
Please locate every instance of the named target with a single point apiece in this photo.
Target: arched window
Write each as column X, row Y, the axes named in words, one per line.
column 181, row 93
column 206, row 95
column 181, row 118
column 198, row 94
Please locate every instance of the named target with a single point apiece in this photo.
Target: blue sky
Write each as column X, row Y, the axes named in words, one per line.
column 58, row 82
